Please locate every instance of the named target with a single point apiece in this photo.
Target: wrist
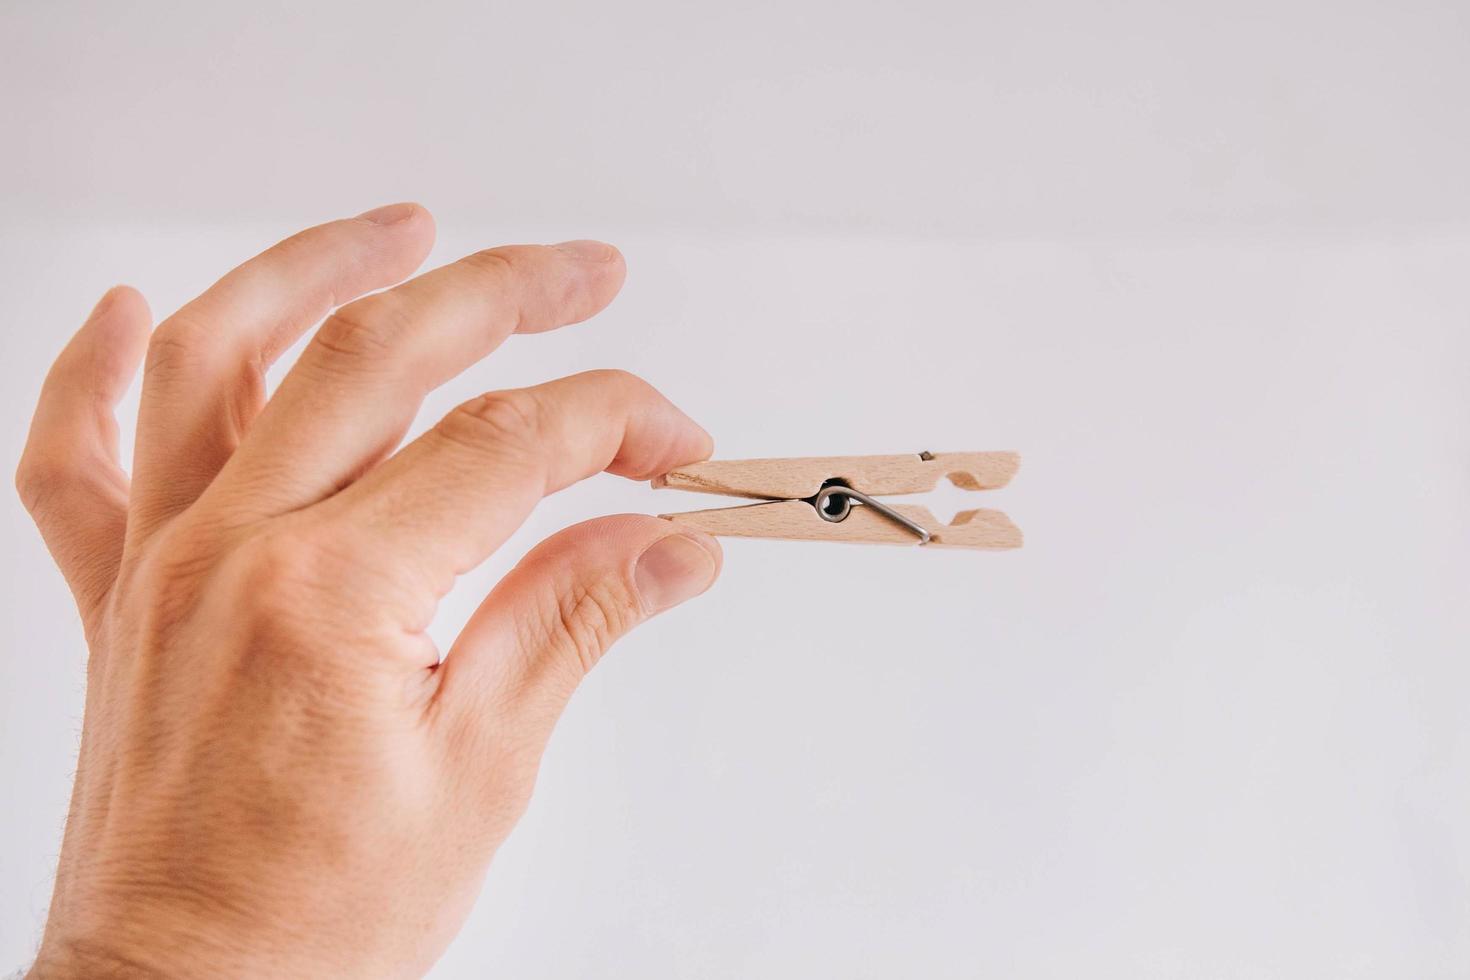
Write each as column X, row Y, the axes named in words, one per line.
column 63, row 960
column 137, row 949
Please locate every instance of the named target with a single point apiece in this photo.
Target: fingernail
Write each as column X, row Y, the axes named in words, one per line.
column 389, row 214
column 587, row 250
column 673, row 569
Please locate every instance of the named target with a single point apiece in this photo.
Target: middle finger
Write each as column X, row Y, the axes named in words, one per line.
column 358, row 385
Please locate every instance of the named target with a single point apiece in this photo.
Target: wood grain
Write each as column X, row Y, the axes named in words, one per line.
column 779, row 479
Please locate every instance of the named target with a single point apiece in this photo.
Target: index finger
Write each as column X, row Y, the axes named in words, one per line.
column 359, row 383
column 448, row 499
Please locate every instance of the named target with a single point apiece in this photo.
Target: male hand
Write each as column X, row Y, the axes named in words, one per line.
column 278, row 776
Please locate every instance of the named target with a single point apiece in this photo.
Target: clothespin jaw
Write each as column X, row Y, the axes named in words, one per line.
column 830, row 498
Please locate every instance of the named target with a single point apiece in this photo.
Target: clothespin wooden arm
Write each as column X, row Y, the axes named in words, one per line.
column 796, row 520
column 793, row 479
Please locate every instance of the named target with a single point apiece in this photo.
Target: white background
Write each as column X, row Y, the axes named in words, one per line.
column 1206, row 265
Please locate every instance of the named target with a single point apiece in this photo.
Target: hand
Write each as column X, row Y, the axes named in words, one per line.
column 278, row 776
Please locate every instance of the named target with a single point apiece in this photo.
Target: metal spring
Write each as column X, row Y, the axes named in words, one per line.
column 834, row 503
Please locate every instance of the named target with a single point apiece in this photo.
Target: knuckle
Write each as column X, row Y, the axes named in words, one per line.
column 587, row 619
column 622, row 381
column 279, row 563
column 35, row 479
column 615, row 376
column 511, row 417
column 289, row 252
column 171, row 576
column 42, row 476
column 277, row 578
column 499, row 270
column 298, row 259
column 290, row 582
column 366, row 328
column 176, row 347
column 496, row 264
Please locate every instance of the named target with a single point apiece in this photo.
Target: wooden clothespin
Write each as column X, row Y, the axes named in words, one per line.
column 831, row 498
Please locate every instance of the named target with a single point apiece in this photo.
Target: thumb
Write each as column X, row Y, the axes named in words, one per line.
column 509, row 674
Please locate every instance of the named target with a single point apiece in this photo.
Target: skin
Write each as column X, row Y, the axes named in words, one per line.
column 278, row 776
